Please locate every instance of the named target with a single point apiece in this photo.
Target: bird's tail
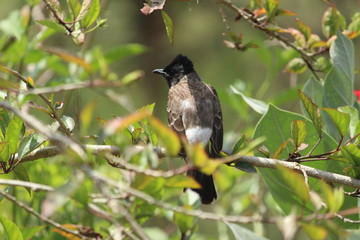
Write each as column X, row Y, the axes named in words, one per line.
column 207, row 191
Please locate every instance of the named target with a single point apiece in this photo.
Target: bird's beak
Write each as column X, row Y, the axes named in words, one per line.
column 160, row 71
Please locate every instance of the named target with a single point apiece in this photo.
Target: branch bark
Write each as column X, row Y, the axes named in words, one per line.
column 255, row 161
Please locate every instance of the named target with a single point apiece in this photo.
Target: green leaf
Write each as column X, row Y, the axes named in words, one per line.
column 257, row 105
column 278, row 133
column 92, row 13
column 167, row 137
column 242, row 233
column 295, row 186
column 30, row 232
column 10, row 229
column 199, row 158
column 332, row 21
column 5, row 118
column 84, row 9
column 69, row 122
column 148, row 184
column 298, row 132
column 342, row 55
column 124, row 51
column 169, row 25
column 271, row 7
column 314, row 232
column 338, row 90
column 181, row 181
column 189, row 200
column 238, row 145
column 132, row 76
column 354, row 118
column 351, row 153
column 296, row 65
column 30, row 143
column 340, row 119
column 21, row 174
column 87, row 115
column 313, row 111
column 13, row 132
column 333, row 197
column 12, row 26
column 304, row 29
column 74, row 8
column 314, row 90
column 244, row 166
column 355, row 23
column 52, row 25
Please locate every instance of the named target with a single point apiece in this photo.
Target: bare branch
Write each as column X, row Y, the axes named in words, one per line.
column 31, row 185
column 255, row 161
column 57, row 17
column 37, row 125
column 43, row 97
column 38, row 215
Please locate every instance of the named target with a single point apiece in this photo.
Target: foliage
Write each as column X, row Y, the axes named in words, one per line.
column 120, row 175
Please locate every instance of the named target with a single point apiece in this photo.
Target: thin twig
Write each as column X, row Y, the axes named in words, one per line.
column 134, row 224
column 307, row 57
column 255, row 161
column 57, row 17
column 199, row 213
column 315, row 146
column 121, row 163
column 59, row 139
column 31, row 185
column 38, row 215
column 42, row 96
column 149, row 199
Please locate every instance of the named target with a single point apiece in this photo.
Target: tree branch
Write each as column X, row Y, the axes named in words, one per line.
column 255, row 161
column 38, row 215
column 42, row 96
column 57, row 138
column 31, row 185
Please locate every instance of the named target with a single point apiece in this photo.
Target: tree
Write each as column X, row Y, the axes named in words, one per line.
column 121, row 176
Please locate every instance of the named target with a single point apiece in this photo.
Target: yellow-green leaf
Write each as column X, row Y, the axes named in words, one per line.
column 169, row 25
column 199, row 158
column 91, row 14
column 304, row 29
column 119, row 124
column 11, row 230
column 295, row 183
column 313, row 111
column 298, row 131
column 86, row 115
column 296, row 65
column 333, row 197
column 182, row 181
column 314, row 232
column 69, row 58
column 340, row 119
column 167, row 137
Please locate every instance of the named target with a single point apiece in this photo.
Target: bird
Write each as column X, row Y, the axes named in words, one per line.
column 194, row 113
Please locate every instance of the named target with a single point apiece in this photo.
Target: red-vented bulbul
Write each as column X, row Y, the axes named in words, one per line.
column 194, row 112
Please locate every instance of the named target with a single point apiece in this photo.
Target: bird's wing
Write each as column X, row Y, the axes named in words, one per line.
column 217, row 135
column 175, row 110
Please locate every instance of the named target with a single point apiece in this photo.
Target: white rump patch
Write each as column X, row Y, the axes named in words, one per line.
column 198, row 134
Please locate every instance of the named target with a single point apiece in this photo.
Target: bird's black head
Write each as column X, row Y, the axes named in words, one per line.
column 179, row 67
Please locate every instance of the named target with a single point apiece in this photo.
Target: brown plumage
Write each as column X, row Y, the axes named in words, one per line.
column 194, row 112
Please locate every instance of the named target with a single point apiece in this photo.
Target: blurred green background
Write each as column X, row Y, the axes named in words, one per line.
column 199, row 34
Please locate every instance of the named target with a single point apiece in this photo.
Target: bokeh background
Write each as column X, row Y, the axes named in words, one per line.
column 199, row 34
